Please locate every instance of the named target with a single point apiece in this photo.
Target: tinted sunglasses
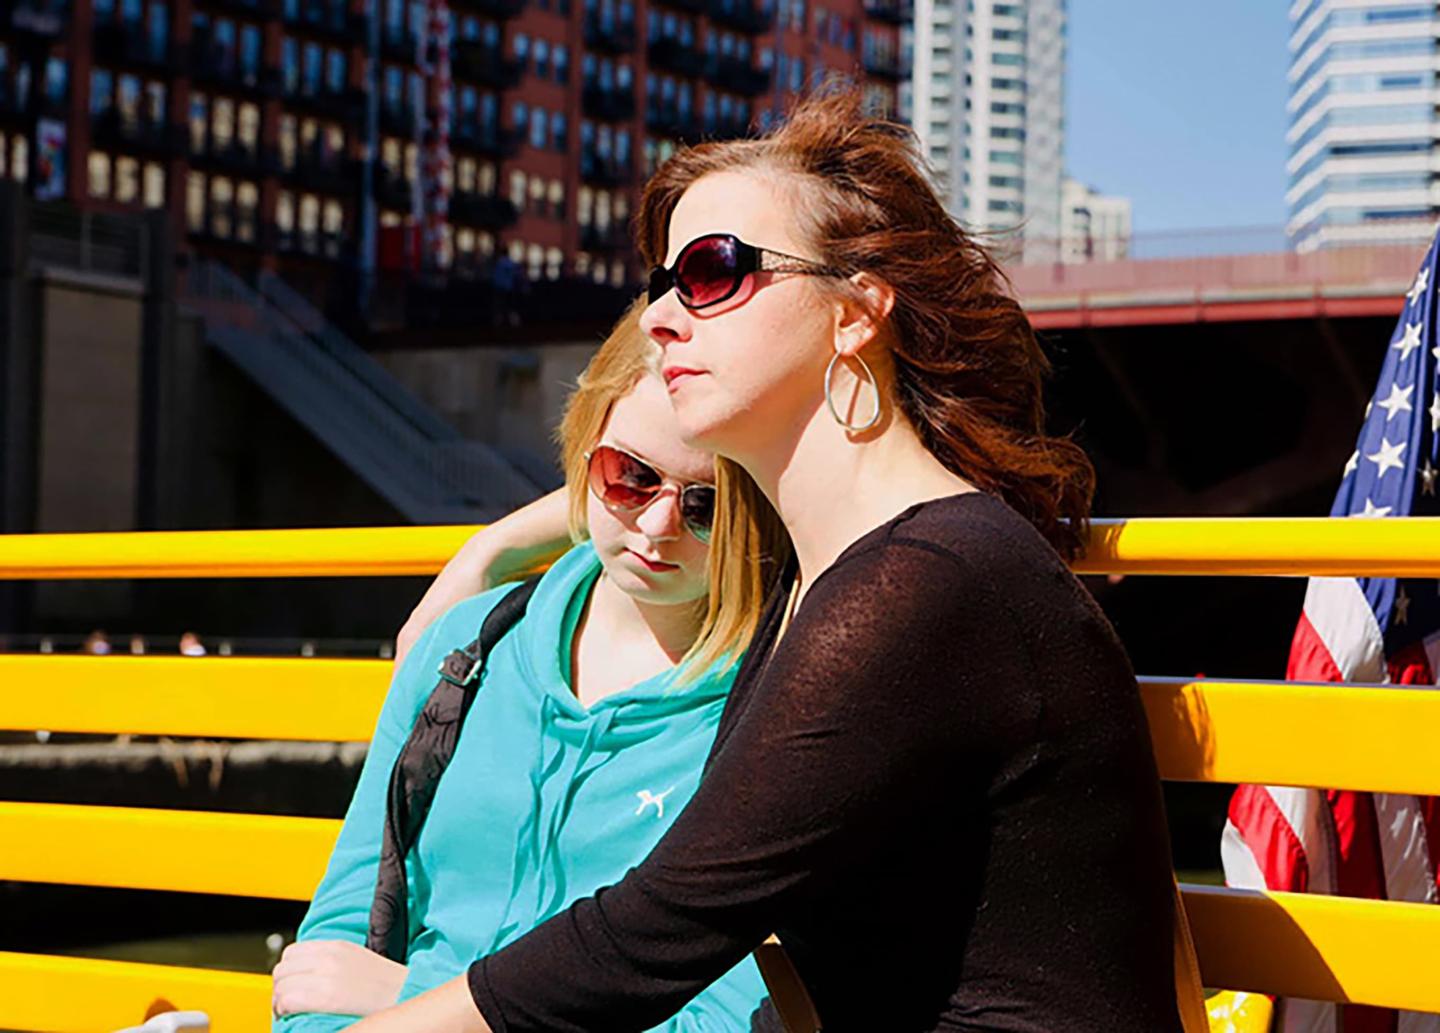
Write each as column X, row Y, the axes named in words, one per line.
column 710, row 269
column 627, row 482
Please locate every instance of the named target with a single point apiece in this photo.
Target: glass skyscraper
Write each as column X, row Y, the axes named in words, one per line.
column 1363, row 129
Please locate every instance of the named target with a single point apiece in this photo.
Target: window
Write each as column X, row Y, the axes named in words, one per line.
column 154, row 185
column 102, row 91
column 558, row 131
column 537, row 127
column 127, row 180
column 542, row 58
column 521, row 48
column 195, row 202
column 519, row 115
column 335, row 72
column 98, row 167
column 557, row 199
column 561, row 64
column 517, row 189
column 537, row 196
column 57, row 75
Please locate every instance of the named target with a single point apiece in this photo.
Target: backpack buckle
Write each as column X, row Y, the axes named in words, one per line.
column 460, row 668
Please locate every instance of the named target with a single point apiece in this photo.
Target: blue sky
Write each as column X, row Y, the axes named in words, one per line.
column 1181, row 108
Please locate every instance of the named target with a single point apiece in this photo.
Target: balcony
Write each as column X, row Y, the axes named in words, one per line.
column 112, row 131
column 483, row 211
column 230, row 224
column 313, row 242
column 669, row 120
column 346, row 104
column 234, row 157
column 44, row 18
column 393, row 189
column 488, row 140
column 399, row 120
column 605, row 171
column 742, row 15
column 608, row 35
column 213, row 63
column 739, row 76
column 254, row 9
column 400, row 45
column 896, row 12
column 479, row 63
column 330, row 17
column 499, row 9
column 611, row 237
column 670, row 55
column 883, row 66
column 608, row 105
column 129, row 44
column 323, row 171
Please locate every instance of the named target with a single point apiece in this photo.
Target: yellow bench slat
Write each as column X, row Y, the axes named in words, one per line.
column 82, row 995
column 1293, row 733
column 1335, row 546
column 247, row 855
column 1324, row 948
column 220, row 697
column 1282, row 733
column 1322, row 546
column 308, row 552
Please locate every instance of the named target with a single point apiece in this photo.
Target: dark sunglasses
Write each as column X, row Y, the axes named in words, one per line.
column 627, row 482
column 710, row 269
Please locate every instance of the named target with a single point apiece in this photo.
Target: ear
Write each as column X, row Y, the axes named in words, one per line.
column 863, row 314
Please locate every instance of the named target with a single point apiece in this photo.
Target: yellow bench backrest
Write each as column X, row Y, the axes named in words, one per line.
column 1368, row 952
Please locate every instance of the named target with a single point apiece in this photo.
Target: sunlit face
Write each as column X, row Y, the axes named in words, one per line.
column 648, row 552
column 750, row 368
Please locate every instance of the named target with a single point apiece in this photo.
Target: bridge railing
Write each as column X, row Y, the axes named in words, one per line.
column 1212, row 730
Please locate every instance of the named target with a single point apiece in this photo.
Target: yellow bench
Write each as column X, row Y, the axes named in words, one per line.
column 1327, row 948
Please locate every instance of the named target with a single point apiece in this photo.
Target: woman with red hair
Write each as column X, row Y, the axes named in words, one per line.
column 933, row 779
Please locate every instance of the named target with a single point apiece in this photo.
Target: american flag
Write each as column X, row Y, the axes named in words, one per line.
column 1367, row 630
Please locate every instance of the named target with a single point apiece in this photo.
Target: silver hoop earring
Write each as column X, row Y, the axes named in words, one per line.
column 830, row 396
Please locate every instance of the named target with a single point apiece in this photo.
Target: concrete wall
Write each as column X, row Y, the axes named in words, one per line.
column 505, row 396
column 89, row 404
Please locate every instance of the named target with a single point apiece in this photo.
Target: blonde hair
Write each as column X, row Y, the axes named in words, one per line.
column 748, row 544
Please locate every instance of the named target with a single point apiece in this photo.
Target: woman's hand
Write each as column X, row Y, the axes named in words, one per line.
column 335, row 976
column 504, row 550
column 448, row 1008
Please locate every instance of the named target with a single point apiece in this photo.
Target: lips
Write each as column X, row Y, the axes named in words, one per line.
column 654, row 566
column 677, row 375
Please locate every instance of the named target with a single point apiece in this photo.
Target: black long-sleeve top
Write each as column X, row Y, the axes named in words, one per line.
column 938, row 789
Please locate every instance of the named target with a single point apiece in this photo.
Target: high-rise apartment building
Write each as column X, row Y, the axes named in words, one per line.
column 1093, row 226
column 987, row 100
column 517, row 128
column 1363, row 130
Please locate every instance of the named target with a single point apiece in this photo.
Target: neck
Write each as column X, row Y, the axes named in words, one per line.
column 671, row 627
column 830, row 489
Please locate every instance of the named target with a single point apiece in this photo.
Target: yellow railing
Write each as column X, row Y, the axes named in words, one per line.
column 1380, row 739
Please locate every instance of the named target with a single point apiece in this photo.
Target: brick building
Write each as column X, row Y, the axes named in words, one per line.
column 248, row 120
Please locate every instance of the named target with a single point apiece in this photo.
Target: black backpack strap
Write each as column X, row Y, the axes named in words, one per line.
column 421, row 762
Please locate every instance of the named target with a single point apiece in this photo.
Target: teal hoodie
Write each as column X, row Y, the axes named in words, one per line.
column 544, row 802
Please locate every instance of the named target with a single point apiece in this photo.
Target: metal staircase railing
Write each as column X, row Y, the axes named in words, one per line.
column 408, row 455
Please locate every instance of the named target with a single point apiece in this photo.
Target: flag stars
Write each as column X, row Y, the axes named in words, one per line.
column 1351, row 464
column 1388, row 457
column 1422, row 281
column 1427, row 479
column 1372, row 511
column 1399, row 401
column 1402, row 606
column 1435, row 415
column 1410, row 341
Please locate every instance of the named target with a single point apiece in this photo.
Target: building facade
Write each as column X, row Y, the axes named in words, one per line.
column 1093, row 226
column 406, row 137
column 1363, row 128
column 987, row 100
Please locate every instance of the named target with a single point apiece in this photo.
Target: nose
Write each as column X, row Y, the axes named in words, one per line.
column 660, row 521
column 666, row 321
